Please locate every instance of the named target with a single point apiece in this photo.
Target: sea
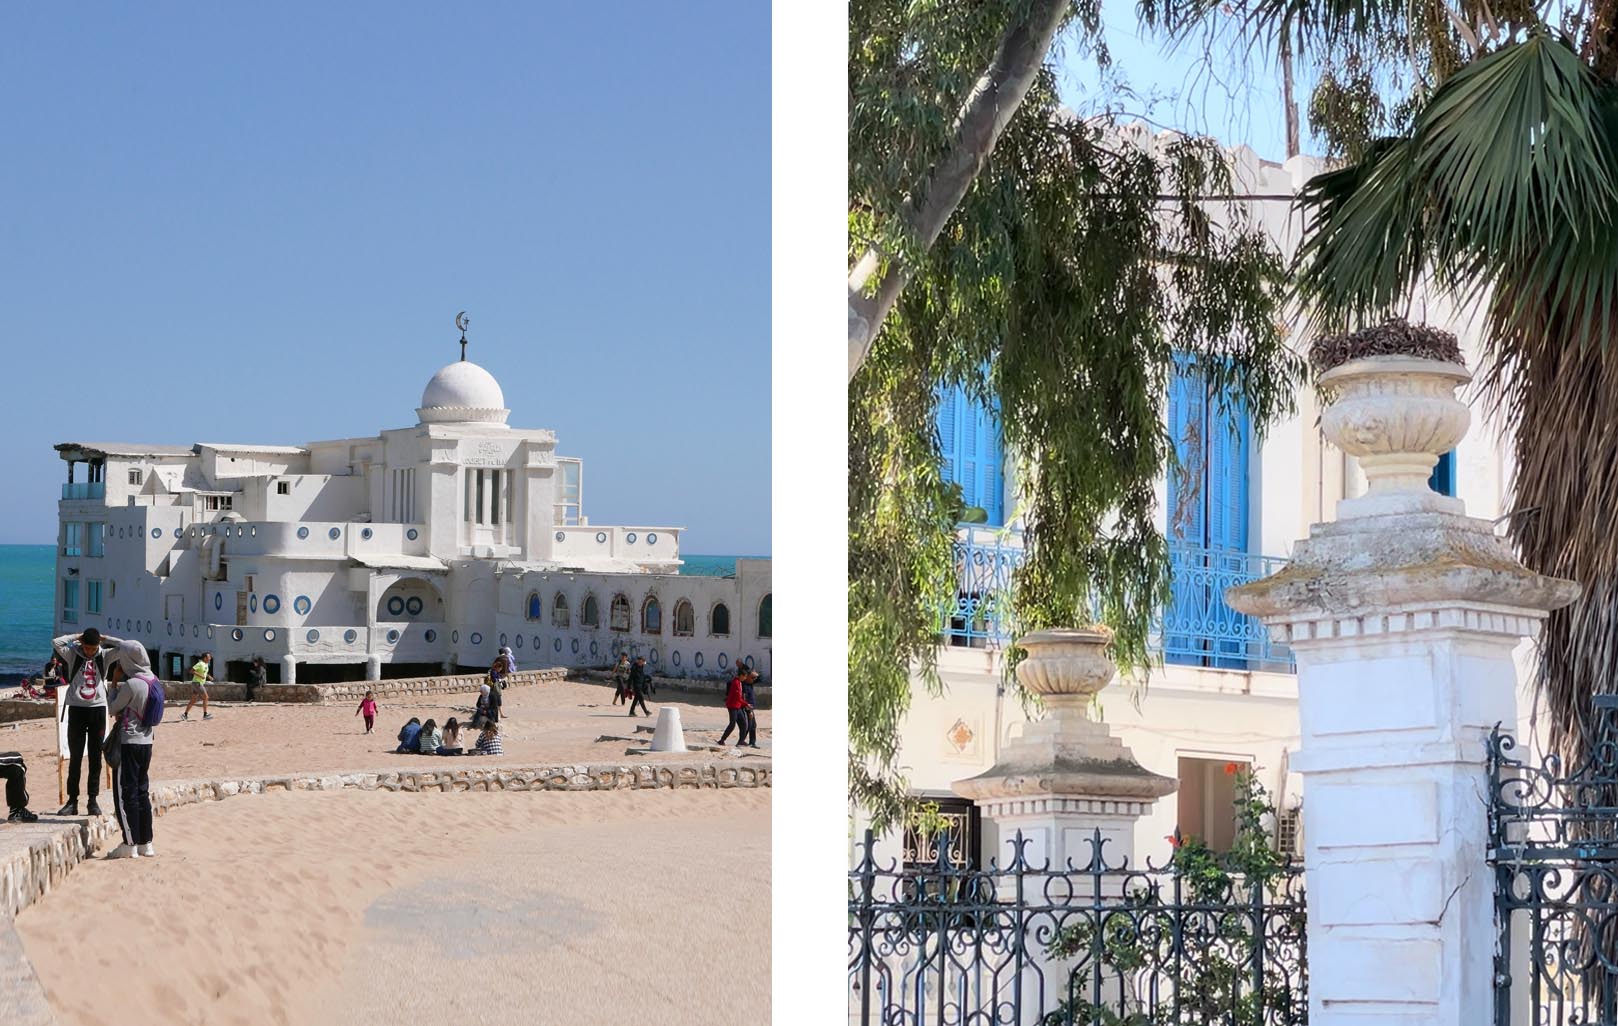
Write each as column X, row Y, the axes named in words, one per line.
column 28, row 590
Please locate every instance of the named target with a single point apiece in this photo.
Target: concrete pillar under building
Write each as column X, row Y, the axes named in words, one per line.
column 289, row 669
column 1402, row 615
column 373, row 667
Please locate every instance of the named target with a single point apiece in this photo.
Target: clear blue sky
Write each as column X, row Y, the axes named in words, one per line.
column 228, row 222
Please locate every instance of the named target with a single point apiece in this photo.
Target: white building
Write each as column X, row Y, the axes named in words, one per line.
column 413, row 552
column 1222, row 694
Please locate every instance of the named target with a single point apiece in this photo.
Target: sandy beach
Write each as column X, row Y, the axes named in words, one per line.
column 353, row 908
column 553, row 723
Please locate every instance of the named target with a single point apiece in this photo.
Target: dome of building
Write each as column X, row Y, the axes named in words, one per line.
column 463, row 393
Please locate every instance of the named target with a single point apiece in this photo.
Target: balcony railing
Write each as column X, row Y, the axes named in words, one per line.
column 84, row 490
column 1196, row 629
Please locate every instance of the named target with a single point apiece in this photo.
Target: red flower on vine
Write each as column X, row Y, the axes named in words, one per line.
column 1231, row 769
column 1173, row 839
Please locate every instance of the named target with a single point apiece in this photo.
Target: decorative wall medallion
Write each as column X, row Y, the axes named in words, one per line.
column 960, row 735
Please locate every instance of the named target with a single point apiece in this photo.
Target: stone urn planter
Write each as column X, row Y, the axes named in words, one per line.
column 1066, row 667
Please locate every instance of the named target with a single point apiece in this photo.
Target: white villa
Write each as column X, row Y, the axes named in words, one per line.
column 1223, row 693
column 418, row 551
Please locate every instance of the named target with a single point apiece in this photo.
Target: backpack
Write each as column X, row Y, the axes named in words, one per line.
column 156, row 700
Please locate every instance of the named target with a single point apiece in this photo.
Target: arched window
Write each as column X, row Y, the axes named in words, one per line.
column 651, row 616
column 684, row 619
column 590, row 613
column 764, row 616
column 719, row 621
column 620, row 613
column 533, row 605
column 560, row 616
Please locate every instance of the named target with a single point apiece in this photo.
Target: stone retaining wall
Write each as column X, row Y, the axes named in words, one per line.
column 55, row 847
column 180, row 691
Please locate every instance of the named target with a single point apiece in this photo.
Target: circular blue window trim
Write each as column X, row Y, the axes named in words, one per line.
column 157, row 532
column 395, row 606
column 630, row 537
column 561, row 536
column 557, row 644
column 412, row 534
column 431, row 635
column 219, row 600
column 269, row 635
column 178, row 533
column 537, row 645
column 335, row 533
column 301, row 605
column 455, row 637
column 393, row 636
column 365, row 533
column 148, row 626
column 210, row 632
column 171, row 630
column 502, row 641
column 601, row 537
column 303, row 532
column 575, row 646
column 748, row 662
column 312, row 636
column 272, row 604
column 724, row 660
column 413, row 605
column 675, row 658
column 517, row 641
column 593, row 648
column 252, row 603
column 651, row 539
column 652, row 658
column 477, row 639
column 697, row 659
column 236, row 635
column 195, row 631
column 349, row 636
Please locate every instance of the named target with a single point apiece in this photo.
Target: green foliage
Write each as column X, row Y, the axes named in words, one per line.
column 1075, row 267
column 1199, row 950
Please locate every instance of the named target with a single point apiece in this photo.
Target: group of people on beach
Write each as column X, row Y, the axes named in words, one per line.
column 107, row 679
column 632, row 682
column 739, row 704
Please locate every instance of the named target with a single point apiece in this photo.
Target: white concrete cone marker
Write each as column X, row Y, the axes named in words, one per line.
column 670, row 736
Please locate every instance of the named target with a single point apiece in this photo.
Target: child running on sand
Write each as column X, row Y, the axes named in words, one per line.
column 368, row 709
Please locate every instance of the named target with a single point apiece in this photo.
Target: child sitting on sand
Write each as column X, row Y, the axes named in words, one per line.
column 489, row 740
column 368, row 707
column 452, row 738
column 409, row 737
column 430, row 738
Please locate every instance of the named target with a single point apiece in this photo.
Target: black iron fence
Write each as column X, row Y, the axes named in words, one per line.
column 1203, row 940
column 1553, row 844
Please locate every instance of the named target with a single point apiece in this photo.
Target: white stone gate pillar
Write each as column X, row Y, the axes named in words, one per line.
column 1403, row 616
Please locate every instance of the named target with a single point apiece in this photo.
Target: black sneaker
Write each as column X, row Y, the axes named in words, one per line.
column 70, row 809
column 22, row 816
column 93, row 808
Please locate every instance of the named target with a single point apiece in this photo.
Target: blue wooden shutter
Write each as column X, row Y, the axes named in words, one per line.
column 972, row 451
column 1187, row 485
column 950, row 401
column 991, row 487
column 1230, row 432
column 1442, row 480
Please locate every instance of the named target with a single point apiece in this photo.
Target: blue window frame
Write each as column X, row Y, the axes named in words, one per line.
column 1443, row 479
column 1208, row 498
column 969, row 440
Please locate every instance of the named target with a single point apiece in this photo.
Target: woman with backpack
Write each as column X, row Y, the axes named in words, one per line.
column 135, row 709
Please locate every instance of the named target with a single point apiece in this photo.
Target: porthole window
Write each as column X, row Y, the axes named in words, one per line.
column 575, row 644
column 365, row 534
column 601, row 537
column 157, row 532
column 218, row 600
column 396, row 606
column 393, row 636
column 537, row 645
column 455, row 637
column 517, row 641
column 477, row 639
column 252, row 532
column 312, row 637
column 412, row 534
column 697, row 659
column 593, row 648
column 431, row 635
column 335, row 533
column 178, row 533
column 557, row 644
column 675, row 658
column 630, row 537
column 652, row 657
column 195, row 631
column 171, row 630
column 148, row 626
column 303, row 532
column 236, row 635
column 210, row 632
column 748, row 662
column 252, row 603
column 502, row 641
column 561, row 536
column 349, row 635
column 272, row 604
column 413, row 605
column 724, row 660
column 651, row 539
column 269, row 635
column 301, row 605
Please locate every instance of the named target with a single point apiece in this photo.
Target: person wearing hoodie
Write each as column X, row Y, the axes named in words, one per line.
column 511, row 660
column 85, row 657
column 131, row 772
column 736, row 703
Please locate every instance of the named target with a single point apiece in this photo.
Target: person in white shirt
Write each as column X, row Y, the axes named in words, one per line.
column 85, row 658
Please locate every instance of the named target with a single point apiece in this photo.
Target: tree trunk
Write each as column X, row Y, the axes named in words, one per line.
column 995, row 97
column 1287, row 97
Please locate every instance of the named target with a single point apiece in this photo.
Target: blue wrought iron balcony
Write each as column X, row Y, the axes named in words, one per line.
column 1196, row 629
column 84, row 490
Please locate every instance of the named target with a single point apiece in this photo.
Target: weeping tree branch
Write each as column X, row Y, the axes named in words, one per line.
column 988, row 108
